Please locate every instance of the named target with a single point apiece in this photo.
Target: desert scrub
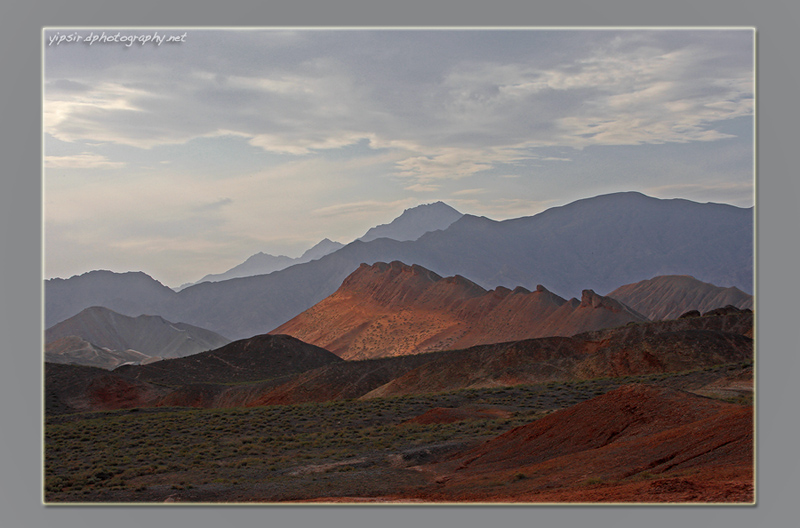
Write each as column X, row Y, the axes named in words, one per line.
column 157, row 448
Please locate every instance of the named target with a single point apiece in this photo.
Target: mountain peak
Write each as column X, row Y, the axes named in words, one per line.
column 415, row 222
column 320, row 249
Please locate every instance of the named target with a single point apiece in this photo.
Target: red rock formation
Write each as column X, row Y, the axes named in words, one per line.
column 395, row 309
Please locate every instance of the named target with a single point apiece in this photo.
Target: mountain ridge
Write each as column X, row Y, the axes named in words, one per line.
column 669, row 296
column 389, row 309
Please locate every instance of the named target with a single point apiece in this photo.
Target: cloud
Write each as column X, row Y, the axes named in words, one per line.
column 81, row 161
column 502, row 208
column 469, row 192
column 367, row 207
column 212, row 206
column 422, row 188
column 736, row 193
column 300, row 146
column 335, row 131
column 618, row 88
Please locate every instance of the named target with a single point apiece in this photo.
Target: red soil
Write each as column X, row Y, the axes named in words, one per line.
column 635, row 444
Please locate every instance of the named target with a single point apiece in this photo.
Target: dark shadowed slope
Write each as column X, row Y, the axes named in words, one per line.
column 670, row 296
column 258, row 358
column 79, row 388
column 149, row 334
column 394, row 309
column 647, row 348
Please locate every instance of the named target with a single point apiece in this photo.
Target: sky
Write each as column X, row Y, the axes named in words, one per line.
column 182, row 158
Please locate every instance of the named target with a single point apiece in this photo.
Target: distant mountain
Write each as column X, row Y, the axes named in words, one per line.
column 264, row 263
column 149, row 335
column 670, row 296
column 597, row 244
column 322, row 248
column 395, row 309
column 131, row 293
column 415, row 222
column 410, row 225
column 73, row 350
column 258, row 264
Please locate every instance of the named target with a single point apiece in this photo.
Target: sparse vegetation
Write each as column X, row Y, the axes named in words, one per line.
column 271, row 453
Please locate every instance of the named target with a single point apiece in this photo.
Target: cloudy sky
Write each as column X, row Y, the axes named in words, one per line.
column 184, row 158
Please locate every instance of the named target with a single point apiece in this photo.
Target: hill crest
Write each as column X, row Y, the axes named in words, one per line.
column 389, row 309
column 670, row 296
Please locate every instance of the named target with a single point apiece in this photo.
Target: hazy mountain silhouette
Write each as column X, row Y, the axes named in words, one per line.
column 73, row 350
column 598, row 244
column 264, row 263
column 415, row 222
column 410, row 225
column 150, row 335
column 670, row 296
column 131, row 293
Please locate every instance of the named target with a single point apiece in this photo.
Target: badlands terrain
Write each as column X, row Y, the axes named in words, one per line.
column 601, row 352
column 646, row 412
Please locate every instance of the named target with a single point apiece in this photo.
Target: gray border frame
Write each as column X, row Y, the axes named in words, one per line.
column 776, row 22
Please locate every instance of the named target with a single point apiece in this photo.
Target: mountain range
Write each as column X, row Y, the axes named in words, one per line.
column 595, row 244
column 264, row 263
column 395, row 309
